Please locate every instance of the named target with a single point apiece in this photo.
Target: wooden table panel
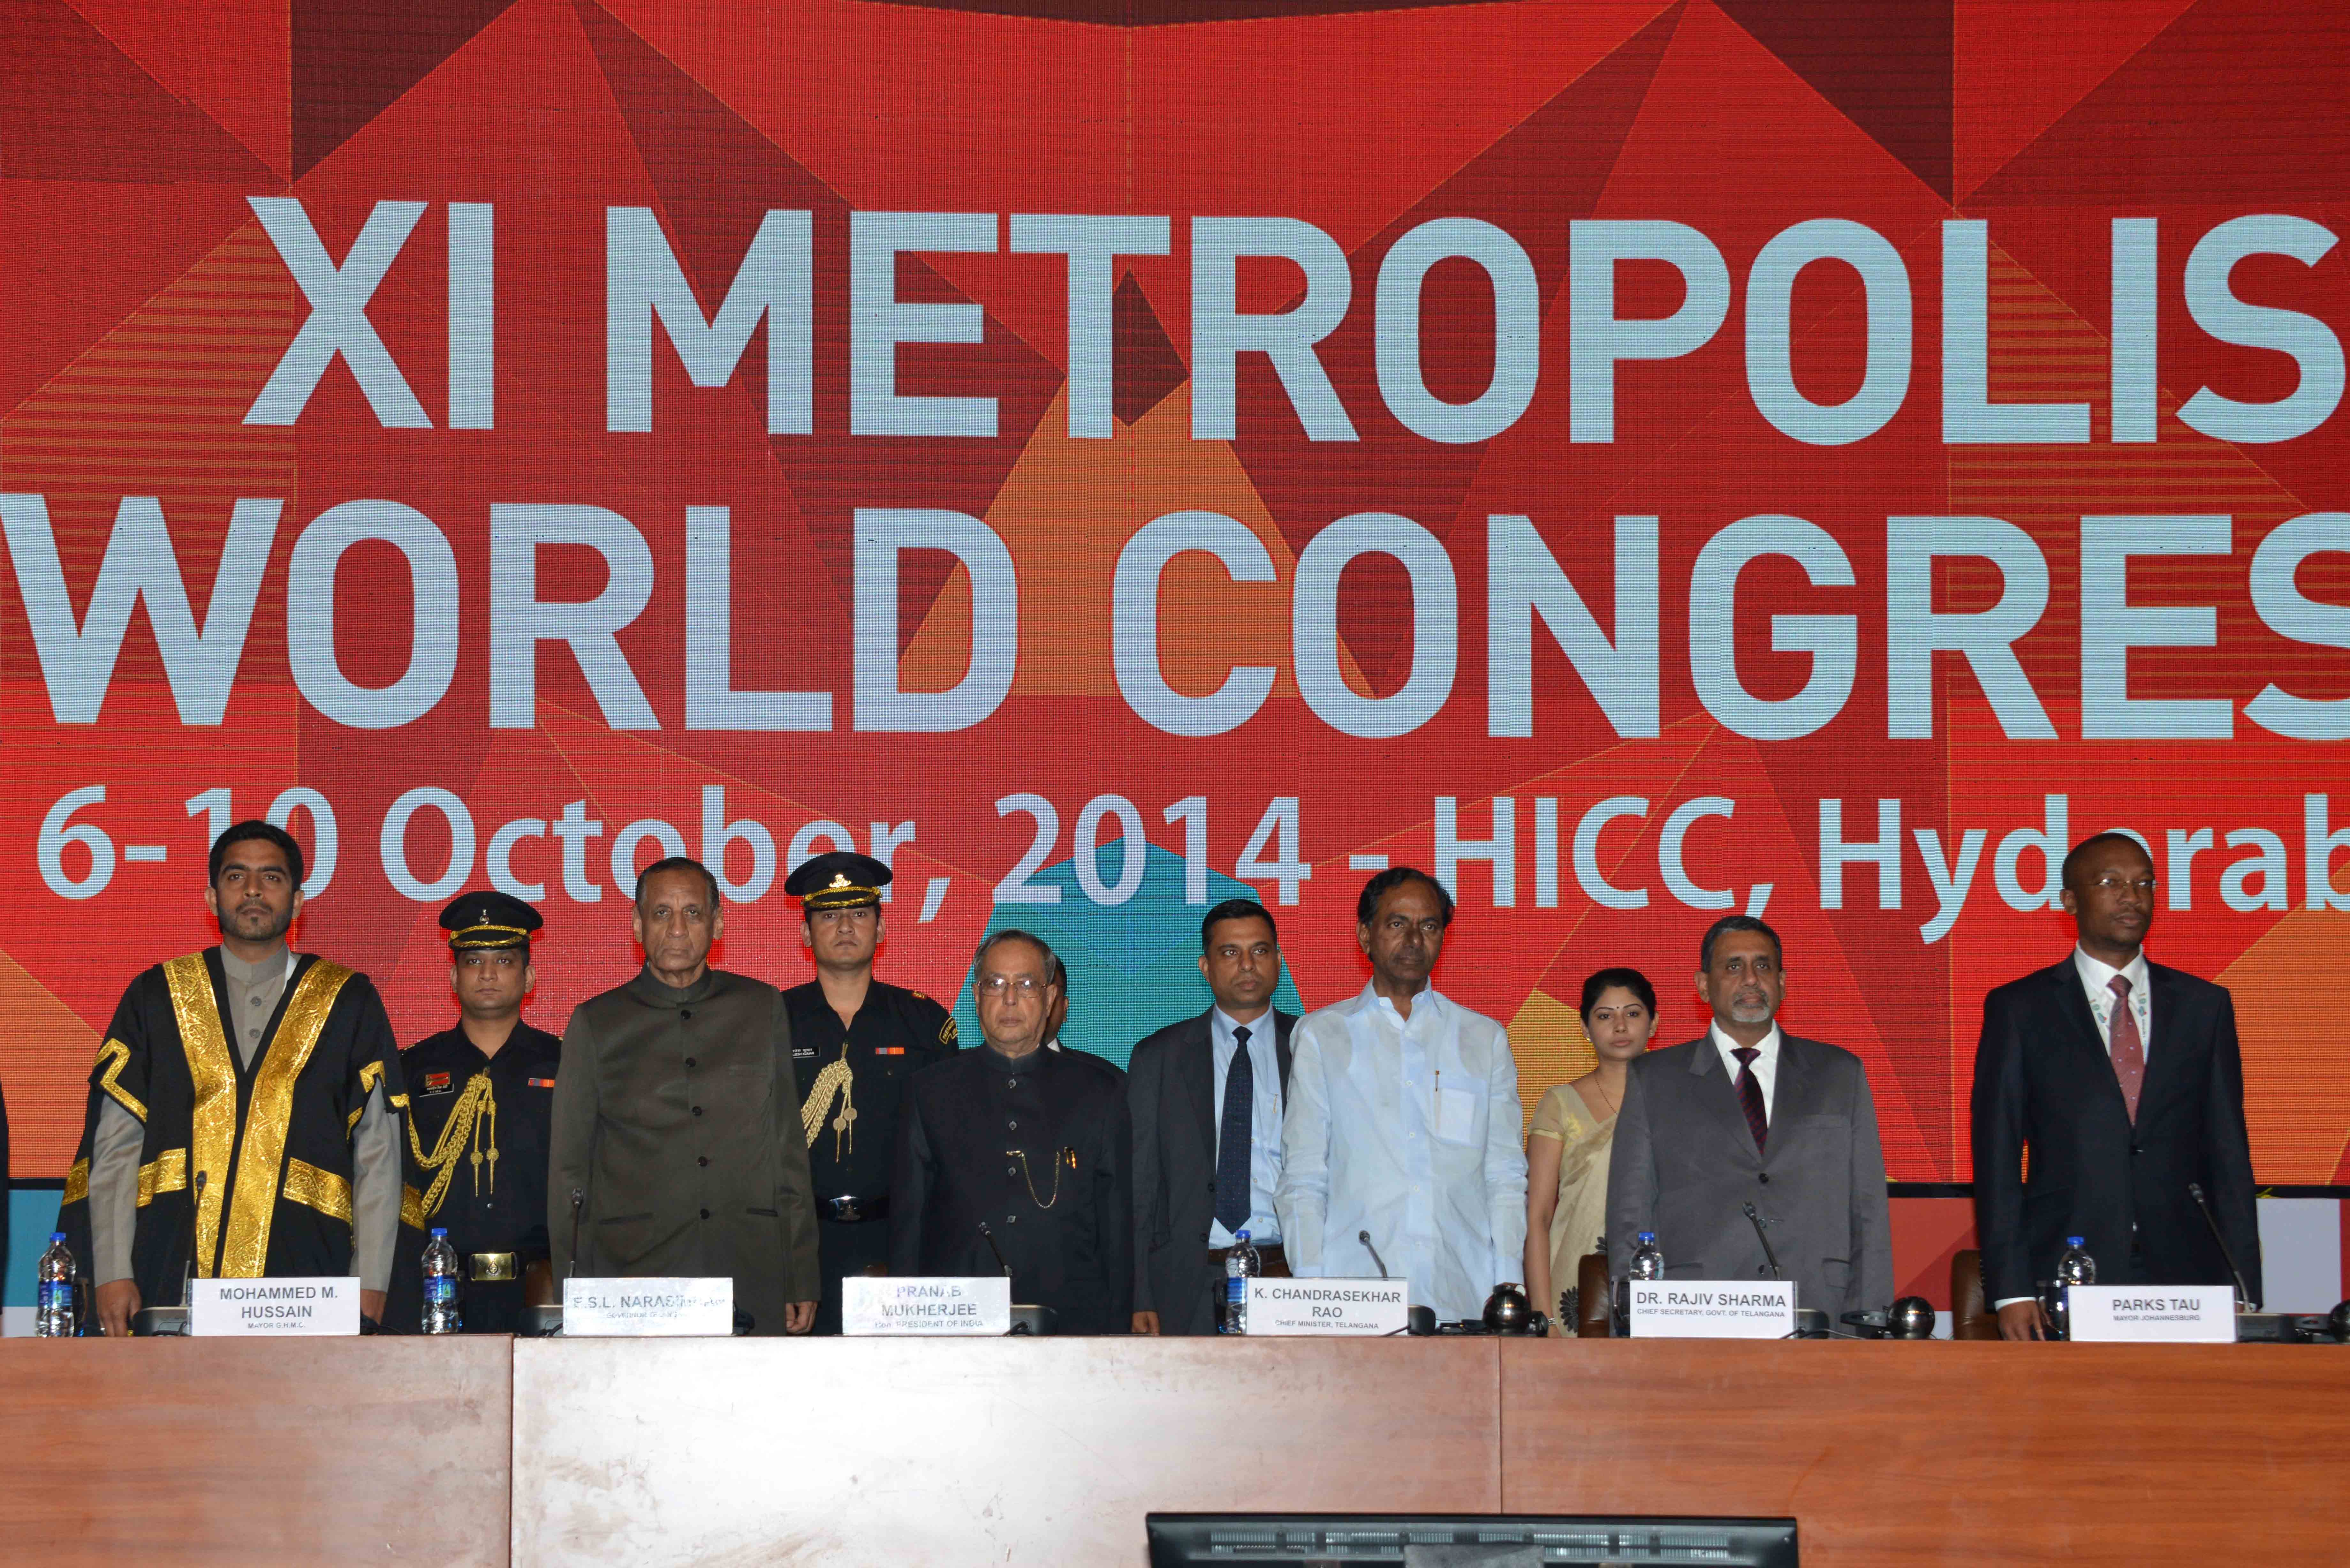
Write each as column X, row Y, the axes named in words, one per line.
column 1892, row 1454
column 297, row 1450
column 942, row 1452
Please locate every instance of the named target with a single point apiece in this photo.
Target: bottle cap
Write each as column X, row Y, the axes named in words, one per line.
column 1240, row 1235
column 438, row 1232
column 1647, row 1235
column 57, row 1235
column 2072, row 1240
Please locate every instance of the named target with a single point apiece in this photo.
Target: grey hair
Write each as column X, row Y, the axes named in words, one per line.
column 1012, row 934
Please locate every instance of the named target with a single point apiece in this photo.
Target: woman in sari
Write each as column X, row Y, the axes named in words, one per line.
column 1573, row 1129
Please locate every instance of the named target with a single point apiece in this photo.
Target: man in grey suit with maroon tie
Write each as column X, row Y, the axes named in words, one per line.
column 1206, row 1096
column 2123, row 1083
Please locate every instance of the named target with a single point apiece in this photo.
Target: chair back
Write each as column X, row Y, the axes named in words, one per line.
column 1971, row 1315
column 1591, row 1318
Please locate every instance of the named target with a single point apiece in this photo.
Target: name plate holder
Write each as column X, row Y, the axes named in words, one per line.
column 1713, row 1309
column 2151, row 1314
column 926, row 1306
column 1337, row 1308
column 678, row 1307
column 270, row 1308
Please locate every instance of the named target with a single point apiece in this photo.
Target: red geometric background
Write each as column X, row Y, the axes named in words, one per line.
column 142, row 307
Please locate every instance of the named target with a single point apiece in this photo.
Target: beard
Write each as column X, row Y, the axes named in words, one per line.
column 260, row 923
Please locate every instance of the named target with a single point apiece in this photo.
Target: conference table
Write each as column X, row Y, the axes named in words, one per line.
column 1051, row 1451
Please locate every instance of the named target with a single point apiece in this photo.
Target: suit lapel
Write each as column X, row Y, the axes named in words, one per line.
column 1718, row 1097
column 1197, row 1077
column 1791, row 1094
column 2072, row 1006
column 2170, row 1038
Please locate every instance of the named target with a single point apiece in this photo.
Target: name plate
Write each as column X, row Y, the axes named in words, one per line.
column 981, row 1304
column 619, row 1309
column 241, row 1309
column 1328, row 1306
column 2152, row 1314
column 1713, row 1309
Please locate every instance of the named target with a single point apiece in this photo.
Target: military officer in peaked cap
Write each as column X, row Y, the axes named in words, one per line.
column 477, row 1130
column 855, row 1040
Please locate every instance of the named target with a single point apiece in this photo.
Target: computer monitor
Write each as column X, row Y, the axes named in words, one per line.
column 1465, row 1541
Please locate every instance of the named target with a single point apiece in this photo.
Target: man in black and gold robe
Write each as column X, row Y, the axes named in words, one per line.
column 854, row 1042
column 267, row 1080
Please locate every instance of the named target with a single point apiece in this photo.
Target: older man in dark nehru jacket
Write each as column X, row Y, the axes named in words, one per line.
column 677, row 1123
column 1015, row 1150
column 855, row 1042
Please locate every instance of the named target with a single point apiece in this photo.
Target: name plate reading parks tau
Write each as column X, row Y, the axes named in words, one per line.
column 616, row 1309
column 914, row 1304
column 1328, row 1306
column 1713, row 1309
column 2152, row 1314
column 260, row 1308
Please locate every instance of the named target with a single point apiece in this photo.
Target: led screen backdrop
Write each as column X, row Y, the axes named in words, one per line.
column 1638, row 460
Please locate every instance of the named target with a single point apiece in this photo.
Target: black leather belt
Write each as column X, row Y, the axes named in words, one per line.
column 854, row 1210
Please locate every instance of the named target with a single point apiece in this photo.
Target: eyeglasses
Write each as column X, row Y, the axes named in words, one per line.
column 997, row 985
column 2111, row 884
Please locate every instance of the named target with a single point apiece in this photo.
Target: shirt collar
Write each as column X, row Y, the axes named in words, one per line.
column 244, row 974
column 660, row 993
column 1370, row 1000
column 2098, row 975
column 1767, row 1048
column 1009, row 1065
column 1224, row 1024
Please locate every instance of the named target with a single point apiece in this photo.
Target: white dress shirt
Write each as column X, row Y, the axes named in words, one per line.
column 1265, row 1120
column 1406, row 1128
column 1766, row 1062
column 2097, row 980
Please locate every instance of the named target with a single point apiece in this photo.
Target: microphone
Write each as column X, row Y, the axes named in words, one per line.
column 1756, row 1221
column 988, row 1236
column 195, row 1213
column 1365, row 1237
column 579, row 1199
column 2244, row 1301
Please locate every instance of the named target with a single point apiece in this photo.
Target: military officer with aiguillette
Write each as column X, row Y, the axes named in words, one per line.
column 855, row 1040
column 479, row 1097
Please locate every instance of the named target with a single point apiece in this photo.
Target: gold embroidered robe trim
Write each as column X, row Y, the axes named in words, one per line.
column 120, row 1055
column 321, row 1189
column 167, row 1172
column 78, row 1182
column 245, row 1248
column 213, row 1119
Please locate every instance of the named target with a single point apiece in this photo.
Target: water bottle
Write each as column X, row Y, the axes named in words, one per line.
column 1240, row 1263
column 2075, row 1267
column 440, row 1316
column 54, row 1317
column 1648, row 1258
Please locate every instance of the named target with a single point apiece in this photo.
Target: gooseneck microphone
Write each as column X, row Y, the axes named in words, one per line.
column 578, row 1201
column 2244, row 1301
column 1365, row 1237
column 988, row 1236
column 1756, row 1221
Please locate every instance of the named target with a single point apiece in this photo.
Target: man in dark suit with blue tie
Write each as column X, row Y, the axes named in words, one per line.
column 2122, row 1082
column 1206, row 1097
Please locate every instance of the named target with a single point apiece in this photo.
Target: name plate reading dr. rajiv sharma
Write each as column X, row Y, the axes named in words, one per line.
column 1328, row 1306
column 1713, row 1309
column 681, row 1307
column 239, row 1309
column 926, row 1304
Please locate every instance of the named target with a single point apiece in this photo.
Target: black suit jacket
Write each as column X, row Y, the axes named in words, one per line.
column 1171, row 1093
column 1063, row 1215
column 2044, row 1084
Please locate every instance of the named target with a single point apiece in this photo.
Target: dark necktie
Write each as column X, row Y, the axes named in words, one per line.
column 1750, row 1096
column 2129, row 1046
column 1233, row 1150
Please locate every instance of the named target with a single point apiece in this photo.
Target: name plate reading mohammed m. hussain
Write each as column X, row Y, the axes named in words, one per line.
column 1713, row 1309
column 2152, row 1314
column 1328, row 1306
column 240, row 1309
column 980, row 1304
column 618, row 1309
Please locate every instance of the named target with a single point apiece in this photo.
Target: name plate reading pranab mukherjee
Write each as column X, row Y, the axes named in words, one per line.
column 618, row 1309
column 1328, row 1306
column 2152, row 1314
column 261, row 1308
column 981, row 1304
column 1713, row 1309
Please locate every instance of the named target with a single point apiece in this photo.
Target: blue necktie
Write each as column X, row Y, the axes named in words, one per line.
column 1232, row 1151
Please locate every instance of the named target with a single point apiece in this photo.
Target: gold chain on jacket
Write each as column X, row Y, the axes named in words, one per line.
column 836, row 1078
column 472, row 1121
column 1064, row 1159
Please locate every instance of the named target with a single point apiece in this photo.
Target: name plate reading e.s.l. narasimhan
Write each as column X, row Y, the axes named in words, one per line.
column 255, row 1309
column 2151, row 1314
column 1713, row 1309
column 933, row 1304
column 678, row 1307
column 1328, row 1306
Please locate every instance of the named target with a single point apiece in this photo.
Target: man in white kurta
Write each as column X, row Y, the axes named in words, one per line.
column 1403, row 1122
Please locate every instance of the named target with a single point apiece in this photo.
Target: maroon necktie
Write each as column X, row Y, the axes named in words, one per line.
column 2129, row 1046
column 1750, row 1096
